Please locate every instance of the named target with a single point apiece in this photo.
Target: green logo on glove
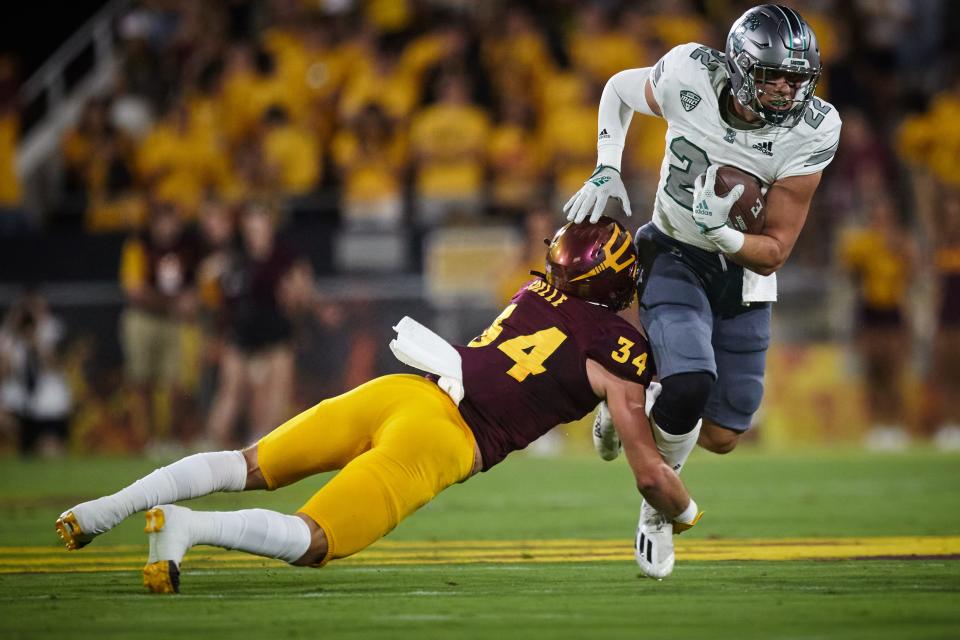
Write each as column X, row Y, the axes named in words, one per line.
column 602, row 180
column 701, row 209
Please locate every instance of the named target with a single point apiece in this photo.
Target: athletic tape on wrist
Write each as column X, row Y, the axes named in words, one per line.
column 727, row 239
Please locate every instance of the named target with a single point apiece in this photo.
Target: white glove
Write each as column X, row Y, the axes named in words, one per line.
column 592, row 197
column 711, row 212
column 605, row 438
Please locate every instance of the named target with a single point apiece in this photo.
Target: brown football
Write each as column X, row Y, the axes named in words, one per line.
column 748, row 214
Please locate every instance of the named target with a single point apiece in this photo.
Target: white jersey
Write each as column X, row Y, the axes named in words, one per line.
column 687, row 83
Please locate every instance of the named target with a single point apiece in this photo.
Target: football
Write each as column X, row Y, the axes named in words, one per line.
column 747, row 214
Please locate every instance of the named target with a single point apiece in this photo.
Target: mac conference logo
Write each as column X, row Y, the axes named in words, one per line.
column 689, row 100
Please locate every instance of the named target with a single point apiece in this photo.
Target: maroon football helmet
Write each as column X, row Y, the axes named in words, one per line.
column 594, row 262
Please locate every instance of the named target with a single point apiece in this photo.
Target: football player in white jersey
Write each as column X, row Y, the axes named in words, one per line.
column 706, row 288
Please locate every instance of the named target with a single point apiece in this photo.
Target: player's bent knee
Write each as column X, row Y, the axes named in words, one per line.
column 682, row 401
column 720, row 447
column 718, row 439
column 317, row 551
column 255, row 479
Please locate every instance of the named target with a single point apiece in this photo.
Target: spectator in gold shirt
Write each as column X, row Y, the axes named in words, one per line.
column 514, row 159
column 519, row 62
column 598, row 49
column 942, row 222
column 371, row 158
column 179, row 163
column 448, row 144
column 252, row 84
column 315, row 68
column 675, row 22
column 569, row 133
column 376, row 75
column 99, row 168
column 291, row 152
column 881, row 259
column 932, row 139
column 158, row 275
column 13, row 217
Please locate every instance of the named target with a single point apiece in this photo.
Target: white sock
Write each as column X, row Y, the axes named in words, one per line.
column 675, row 449
column 191, row 477
column 259, row 531
column 688, row 514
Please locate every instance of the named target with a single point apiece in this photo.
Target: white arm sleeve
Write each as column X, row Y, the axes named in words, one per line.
column 623, row 94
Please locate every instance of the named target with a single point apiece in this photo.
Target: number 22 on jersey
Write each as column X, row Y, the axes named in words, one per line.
column 528, row 352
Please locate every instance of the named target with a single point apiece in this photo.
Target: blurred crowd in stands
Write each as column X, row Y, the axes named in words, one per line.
column 231, row 124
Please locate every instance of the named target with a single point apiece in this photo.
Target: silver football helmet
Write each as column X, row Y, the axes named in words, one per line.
column 767, row 41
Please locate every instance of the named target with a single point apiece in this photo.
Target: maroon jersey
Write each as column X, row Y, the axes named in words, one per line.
column 252, row 309
column 947, row 261
column 169, row 269
column 527, row 372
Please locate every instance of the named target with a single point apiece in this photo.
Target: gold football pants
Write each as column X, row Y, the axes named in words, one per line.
column 398, row 441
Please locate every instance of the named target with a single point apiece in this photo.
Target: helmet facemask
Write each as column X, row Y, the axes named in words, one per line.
column 756, row 75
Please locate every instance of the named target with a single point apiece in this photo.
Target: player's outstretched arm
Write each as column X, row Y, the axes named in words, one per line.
column 657, row 482
column 624, row 93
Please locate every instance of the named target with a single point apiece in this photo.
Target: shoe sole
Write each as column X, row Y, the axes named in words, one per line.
column 70, row 532
column 162, row 576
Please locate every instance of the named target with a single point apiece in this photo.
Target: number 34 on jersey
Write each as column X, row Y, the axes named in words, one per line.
column 527, row 352
column 530, row 352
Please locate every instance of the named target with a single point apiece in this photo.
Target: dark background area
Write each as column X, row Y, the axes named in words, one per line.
column 34, row 30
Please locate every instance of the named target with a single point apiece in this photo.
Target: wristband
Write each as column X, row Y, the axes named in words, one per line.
column 727, row 239
column 609, row 155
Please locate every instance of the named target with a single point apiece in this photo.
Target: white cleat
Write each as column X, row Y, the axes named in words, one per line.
column 73, row 534
column 654, row 543
column 79, row 525
column 605, row 438
column 168, row 527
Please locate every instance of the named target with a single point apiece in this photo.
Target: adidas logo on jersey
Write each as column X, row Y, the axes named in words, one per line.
column 603, row 135
column 766, row 148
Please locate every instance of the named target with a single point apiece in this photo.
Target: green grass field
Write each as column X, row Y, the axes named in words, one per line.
column 807, row 545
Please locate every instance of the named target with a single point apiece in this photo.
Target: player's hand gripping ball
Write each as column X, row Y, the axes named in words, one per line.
column 748, row 214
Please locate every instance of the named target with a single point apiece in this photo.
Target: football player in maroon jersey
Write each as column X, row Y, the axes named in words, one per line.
column 399, row 440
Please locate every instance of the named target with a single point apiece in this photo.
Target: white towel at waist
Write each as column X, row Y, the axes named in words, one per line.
column 757, row 288
column 422, row 349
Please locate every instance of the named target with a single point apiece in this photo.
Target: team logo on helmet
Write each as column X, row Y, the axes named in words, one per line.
column 751, row 23
column 613, row 255
column 595, row 262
